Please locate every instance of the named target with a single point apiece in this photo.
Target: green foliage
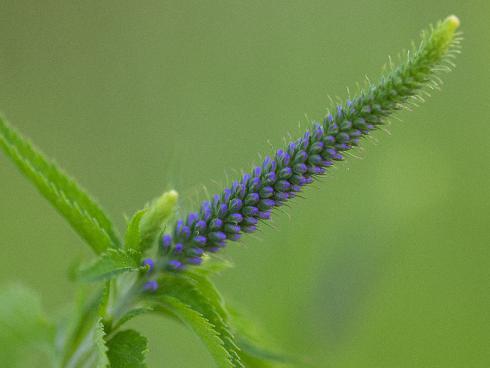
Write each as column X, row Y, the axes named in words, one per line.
column 83, row 214
column 23, row 325
column 91, row 337
column 127, row 349
column 110, row 264
column 201, row 326
column 132, row 238
column 100, row 358
column 155, row 217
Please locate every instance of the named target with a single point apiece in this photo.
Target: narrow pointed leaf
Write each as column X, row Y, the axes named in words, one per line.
column 132, row 239
column 82, row 212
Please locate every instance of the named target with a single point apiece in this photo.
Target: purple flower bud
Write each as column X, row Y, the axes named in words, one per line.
column 338, row 157
column 186, row 232
column 179, row 247
column 300, row 157
column 285, row 173
column 265, row 215
column 281, row 196
column 339, row 111
column 270, row 178
column 305, row 141
column 296, row 188
column 343, row 147
column 250, row 221
column 194, row 260
column 315, row 160
column 200, row 239
column 316, row 147
column 316, row 170
column 216, row 200
column 266, row 204
column 213, row 249
column 291, row 148
column 232, row 229
column 252, row 198
column 148, row 262
column 300, row 168
column 266, row 192
column 298, row 179
column 236, row 204
column 166, row 241
column 226, row 194
column 150, row 286
column 191, row 218
column 234, row 237
column 342, row 137
column 206, row 212
column 269, row 164
column 215, row 224
column 179, row 226
column 329, row 140
column 330, row 152
column 197, row 251
column 283, row 158
column 222, row 210
column 308, row 180
column 250, row 211
column 200, row 226
column 356, row 133
column 176, row 265
column 235, row 218
column 317, row 132
column 327, row 163
column 257, row 171
column 282, row 186
column 249, row 229
column 333, row 129
column 217, row 236
column 254, row 184
column 245, row 179
column 345, row 125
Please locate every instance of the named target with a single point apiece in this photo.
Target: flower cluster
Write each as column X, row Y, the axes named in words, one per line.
column 252, row 199
column 248, row 201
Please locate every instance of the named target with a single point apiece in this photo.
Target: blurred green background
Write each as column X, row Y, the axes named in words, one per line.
column 387, row 261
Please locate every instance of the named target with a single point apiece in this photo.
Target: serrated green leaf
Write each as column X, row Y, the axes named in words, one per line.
column 127, row 349
column 198, row 292
column 101, row 359
column 82, row 212
column 202, row 327
column 132, row 238
column 81, row 334
column 23, row 325
column 110, row 264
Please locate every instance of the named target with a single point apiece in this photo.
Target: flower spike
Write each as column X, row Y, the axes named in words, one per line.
column 250, row 200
